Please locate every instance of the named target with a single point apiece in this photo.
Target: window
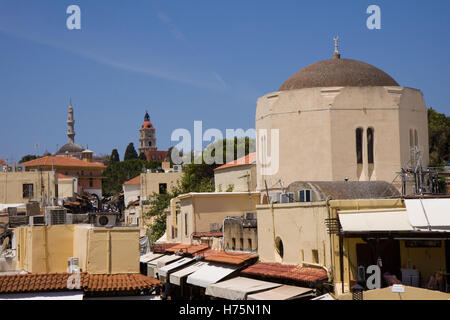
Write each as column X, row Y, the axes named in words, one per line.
column 250, row 247
column 359, row 157
column 27, row 191
column 153, row 157
column 411, row 138
column 91, row 182
column 159, row 157
column 370, row 138
column 162, row 188
column 82, row 172
column 242, row 244
column 416, row 138
column 233, row 247
column 185, row 224
column 150, row 143
column 304, row 195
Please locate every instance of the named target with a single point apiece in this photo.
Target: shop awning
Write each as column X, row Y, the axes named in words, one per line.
column 238, row 288
column 429, row 213
column 284, row 292
column 163, row 260
column 210, row 274
column 374, row 220
column 177, row 277
column 149, row 257
column 164, row 271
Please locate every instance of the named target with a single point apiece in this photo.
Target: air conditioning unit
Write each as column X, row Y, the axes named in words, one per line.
column 69, row 218
column 287, row 197
column 177, row 168
column 55, row 216
column 20, row 168
column 105, row 220
column 37, row 220
column 73, row 265
column 274, row 197
column 305, row 195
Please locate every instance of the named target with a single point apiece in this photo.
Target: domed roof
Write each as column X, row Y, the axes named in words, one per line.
column 70, row 148
column 338, row 73
column 147, row 125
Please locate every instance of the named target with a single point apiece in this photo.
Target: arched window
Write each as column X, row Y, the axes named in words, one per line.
column 359, row 156
column 150, row 143
column 370, row 138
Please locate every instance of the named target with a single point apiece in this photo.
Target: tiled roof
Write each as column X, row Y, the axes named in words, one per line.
column 248, row 159
column 280, row 271
column 162, row 247
column 135, row 180
column 188, row 248
column 207, row 234
column 62, row 161
column 63, row 176
column 236, row 258
column 102, row 284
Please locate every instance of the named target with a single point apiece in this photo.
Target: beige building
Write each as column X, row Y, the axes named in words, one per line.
column 237, row 176
column 21, row 187
column 196, row 213
column 46, row 249
column 339, row 118
column 67, row 186
column 158, row 182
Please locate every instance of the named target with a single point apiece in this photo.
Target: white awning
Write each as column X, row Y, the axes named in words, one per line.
column 164, row 271
column 284, row 292
column 371, row 220
column 238, row 288
column 161, row 262
column 164, row 259
column 210, row 274
column 176, row 277
column 424, row 213
column 149, row 257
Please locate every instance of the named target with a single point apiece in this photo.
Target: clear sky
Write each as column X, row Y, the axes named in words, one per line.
column 191, row 60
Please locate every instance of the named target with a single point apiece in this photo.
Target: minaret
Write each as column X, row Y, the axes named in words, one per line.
column 71, row 124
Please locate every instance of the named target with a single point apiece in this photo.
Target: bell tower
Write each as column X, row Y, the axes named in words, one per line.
column 147, row 137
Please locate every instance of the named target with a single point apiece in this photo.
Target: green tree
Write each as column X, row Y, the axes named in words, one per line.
column 114, row 157
column 439, row 137
column 130, row 152
column 117, row 173
column 142, row 156
column 28, row 157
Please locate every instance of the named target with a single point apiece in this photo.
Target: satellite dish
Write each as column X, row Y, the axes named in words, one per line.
column 4, row 245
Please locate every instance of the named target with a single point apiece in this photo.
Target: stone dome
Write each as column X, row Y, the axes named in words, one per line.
column 70, row 148
column 338, row 73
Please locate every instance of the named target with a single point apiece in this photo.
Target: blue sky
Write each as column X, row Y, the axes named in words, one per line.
column 191, row 60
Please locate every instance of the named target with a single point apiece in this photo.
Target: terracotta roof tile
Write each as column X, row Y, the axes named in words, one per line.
column 132, row 283
column 248, row 159
column 162, row 247
column 236, row 258
column 286, row 272
column 135, row 180
column 188, row 248
column 207, row 234
column 62, row 161
column 63, row 176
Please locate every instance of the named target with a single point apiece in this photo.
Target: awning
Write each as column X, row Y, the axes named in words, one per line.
column 176, row 277
column 238, row 288
column 425, row 213
column 210, row 274
column 161, row 262
column 284, row 292
column 149, row 257
column 374, row 220
column 164, row 271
